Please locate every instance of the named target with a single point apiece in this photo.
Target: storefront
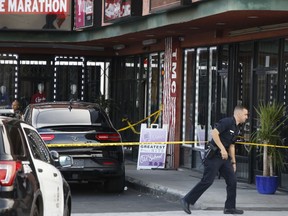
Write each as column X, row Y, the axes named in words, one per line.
column 220, row 77
column 191, row 60
column 61, row 78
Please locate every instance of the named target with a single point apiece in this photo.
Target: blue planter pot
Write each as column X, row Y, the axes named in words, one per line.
column 266, row 184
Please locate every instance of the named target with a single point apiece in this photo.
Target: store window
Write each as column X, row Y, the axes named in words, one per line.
column 199, row 99
column 35, row 79
column 69, row 77
column 8, row 75
column 128, row 94
column 188, row 94
column 284, row 79
column 243, row 88
column 223, row 73
column 284, row 98
column 153, row 84
column 97, row 82
column 267, row 71
column 244, row 73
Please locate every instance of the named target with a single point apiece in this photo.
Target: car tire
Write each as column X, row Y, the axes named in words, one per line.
column 66, row 210
column 35, row 211
column 115, row 185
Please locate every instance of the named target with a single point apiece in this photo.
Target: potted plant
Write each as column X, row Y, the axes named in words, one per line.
column 271, row 119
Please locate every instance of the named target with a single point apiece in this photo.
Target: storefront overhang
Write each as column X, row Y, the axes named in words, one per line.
column 204, row 23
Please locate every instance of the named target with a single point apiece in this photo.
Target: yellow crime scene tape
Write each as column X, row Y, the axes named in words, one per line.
column 155, row 143
column 132, row 127
column 118, row 144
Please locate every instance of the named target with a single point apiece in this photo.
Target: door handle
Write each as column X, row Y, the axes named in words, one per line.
column 40, row 170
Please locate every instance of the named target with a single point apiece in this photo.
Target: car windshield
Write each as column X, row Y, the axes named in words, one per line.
column 57, row 117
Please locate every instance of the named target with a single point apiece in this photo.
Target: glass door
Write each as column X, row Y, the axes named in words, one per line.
column 199, row 101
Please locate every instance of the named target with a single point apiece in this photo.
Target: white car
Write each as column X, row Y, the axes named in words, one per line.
column 30, row 182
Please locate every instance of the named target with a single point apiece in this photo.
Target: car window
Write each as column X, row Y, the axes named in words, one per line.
column 27, row 114
column 16, row 142
column 37, row 146
column 69, row 117
column 98, row 117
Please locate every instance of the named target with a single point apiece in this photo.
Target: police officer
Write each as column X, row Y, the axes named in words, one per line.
column 223, row 161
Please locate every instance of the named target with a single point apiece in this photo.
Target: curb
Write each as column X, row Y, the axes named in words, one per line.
column 153, row 189
column 175, row 196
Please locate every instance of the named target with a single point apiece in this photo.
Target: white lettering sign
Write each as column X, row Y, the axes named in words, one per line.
column 2, row 6
column 34, row 6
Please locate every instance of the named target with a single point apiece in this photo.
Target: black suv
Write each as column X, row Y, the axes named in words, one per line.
column 81, row 129
column 30, row 183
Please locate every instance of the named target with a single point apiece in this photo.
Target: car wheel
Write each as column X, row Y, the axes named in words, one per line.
column 35, row 211
column 116, row 184
column 66, row 210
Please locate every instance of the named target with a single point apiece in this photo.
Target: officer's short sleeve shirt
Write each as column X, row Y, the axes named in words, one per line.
column 228, row 130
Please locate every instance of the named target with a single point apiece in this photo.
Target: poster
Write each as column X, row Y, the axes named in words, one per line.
column 152, row 155
column 84, row 12
column 35, row 15
column 115, row 9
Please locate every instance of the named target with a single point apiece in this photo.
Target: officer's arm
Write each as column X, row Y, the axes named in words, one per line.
column 232, row 153
column 215, row 136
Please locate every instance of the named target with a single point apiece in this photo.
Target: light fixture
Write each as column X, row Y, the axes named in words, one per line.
column 194, row 28
column 119, row 47
column 253, row 17
column 149, row 42
column 53, row 46
column 259, row 29
column 220, row 23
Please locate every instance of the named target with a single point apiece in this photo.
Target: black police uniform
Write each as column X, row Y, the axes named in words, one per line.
column 228, row 130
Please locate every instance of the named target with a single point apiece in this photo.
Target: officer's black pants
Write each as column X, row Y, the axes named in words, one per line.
column 211, row 168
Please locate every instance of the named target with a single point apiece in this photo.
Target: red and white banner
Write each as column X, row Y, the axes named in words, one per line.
column 115, row 9
column 35, row 15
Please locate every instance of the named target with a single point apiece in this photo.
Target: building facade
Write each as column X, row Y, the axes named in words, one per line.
column 191, row 60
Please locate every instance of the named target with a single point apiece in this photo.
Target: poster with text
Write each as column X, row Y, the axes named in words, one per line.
column 35, row 15
column 83, row 15
column 116, row 9
column 152, row 153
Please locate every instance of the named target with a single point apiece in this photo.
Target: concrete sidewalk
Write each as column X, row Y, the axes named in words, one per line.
column 174, row 184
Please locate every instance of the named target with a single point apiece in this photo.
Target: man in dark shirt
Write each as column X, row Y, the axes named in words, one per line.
column 16, row 109
column 223, row 161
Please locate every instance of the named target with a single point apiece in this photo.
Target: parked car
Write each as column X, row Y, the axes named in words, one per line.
column 30, row 182
column 81, row 129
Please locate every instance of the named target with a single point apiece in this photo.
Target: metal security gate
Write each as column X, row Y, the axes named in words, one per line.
column 63, row 78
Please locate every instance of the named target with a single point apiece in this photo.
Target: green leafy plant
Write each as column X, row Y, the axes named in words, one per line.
column 270, row 118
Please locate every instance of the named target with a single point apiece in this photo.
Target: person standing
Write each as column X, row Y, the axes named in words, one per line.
column 16, row 108
column 223, row 161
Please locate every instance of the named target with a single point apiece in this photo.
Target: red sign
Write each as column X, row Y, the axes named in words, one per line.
column 84, row 13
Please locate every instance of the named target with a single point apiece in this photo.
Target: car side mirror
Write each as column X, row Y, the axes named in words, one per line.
column 61, row 161
column 66, row 161
column 55, row 155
